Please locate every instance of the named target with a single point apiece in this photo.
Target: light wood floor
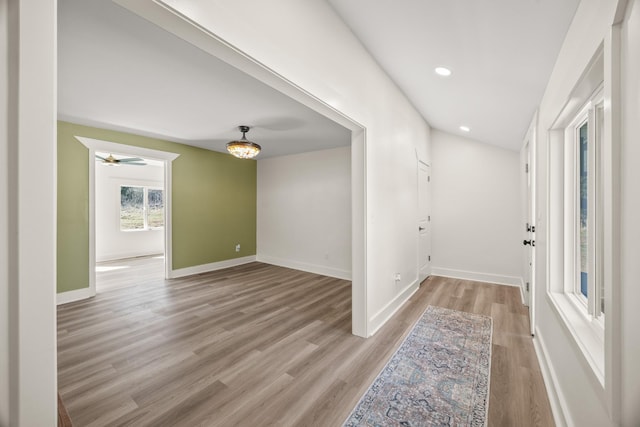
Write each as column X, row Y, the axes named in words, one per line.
column 122, row 273
column 262, row 345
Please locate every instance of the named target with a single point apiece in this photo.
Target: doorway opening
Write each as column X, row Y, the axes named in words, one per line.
column 129, row 227
column 224, row 51
column 123, row 205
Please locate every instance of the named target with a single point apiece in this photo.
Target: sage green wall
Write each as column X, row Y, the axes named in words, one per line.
column 213, row 206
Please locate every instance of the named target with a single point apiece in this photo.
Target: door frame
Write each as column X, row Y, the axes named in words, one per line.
column 164, row 156
column 529, row 208
column 169, row 20
column 420, row 164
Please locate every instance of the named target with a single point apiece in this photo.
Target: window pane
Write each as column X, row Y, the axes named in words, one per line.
column 131, row 208
column 599, row 127
column 584, row 260
column 156, row 208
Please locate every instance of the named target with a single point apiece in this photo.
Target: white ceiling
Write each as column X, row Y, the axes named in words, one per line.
column 120, row 72
column 501, row 53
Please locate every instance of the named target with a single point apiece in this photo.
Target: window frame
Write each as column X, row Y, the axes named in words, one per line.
column 590, row 114
column 595, row 341
column 563, row 256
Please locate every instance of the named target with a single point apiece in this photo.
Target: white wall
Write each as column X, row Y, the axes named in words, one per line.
column 630, row 225
column 304, row 211
column 28, row 380
column 579, row 397
column 476, row 210
column 313, row 49
column 111, row 242
column 4, row 217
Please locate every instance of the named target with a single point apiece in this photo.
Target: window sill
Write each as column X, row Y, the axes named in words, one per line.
column 587, row 333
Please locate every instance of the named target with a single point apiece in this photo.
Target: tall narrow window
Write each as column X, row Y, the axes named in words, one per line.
column 581, row 216
column 141, row 208
column 583, row 150
column 585, row 260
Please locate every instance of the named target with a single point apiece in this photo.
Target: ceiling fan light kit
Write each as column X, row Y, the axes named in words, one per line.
column 243, row 148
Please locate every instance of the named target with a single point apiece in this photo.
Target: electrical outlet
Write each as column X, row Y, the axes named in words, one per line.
column 238, row 247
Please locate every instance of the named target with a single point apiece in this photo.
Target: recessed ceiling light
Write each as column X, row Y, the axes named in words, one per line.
column 465, row 128
column 443, row 71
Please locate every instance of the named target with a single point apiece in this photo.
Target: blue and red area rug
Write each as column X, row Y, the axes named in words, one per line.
column 438, row 377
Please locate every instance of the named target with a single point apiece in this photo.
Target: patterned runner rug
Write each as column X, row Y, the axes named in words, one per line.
column 438, row 377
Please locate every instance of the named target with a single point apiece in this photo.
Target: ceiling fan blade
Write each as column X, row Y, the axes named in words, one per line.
column 135, row 164
column 101, row 158
column 130, row 159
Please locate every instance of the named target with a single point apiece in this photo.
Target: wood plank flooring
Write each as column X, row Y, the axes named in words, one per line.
column 122, row 273
column 260, row 345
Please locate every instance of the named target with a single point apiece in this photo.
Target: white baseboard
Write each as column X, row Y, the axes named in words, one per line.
column 498, row 279
column 118, row 256
column 381, row 317
column 521, row 286
column 302, row 266
column 75, row 295
column 205, row 268
column 556, row 399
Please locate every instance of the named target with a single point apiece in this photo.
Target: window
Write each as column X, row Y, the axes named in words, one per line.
column 583, row 257
column 583, row 193
column 141, row 208
column 580, row 213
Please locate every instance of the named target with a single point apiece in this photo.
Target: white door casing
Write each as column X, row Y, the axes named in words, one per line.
column 166, row 18
column 529, row 169
column 529, row 229
column 424, row 221
column 98, row 145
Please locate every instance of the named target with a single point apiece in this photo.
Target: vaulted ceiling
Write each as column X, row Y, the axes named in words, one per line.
column 121, row 72
column 500, row 52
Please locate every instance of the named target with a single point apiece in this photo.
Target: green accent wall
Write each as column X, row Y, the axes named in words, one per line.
column 213, row 203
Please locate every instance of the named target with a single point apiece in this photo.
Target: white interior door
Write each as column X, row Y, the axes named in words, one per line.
column 530, row 233
column 424, row 221
column 528, row 242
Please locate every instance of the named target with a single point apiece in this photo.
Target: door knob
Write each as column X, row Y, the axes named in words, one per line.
column 420, row 228
column 529, row 242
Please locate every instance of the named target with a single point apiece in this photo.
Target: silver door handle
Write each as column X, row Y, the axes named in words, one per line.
column 421, row 228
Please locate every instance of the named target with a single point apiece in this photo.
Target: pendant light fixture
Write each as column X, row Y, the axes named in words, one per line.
column 243, row 149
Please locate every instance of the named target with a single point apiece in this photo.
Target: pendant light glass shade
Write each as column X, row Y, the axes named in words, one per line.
column 242, row 148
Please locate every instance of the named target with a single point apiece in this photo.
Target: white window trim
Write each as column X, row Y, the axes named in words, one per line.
column 588, row 333
column 603, row 359
column 563, row 295
column 588, row 114
column 569, row 303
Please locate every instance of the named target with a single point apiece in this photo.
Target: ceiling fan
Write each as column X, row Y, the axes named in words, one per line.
column 112, row 161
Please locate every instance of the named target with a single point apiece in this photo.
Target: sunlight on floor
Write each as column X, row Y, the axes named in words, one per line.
column 104, row 268
column 129, row 272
